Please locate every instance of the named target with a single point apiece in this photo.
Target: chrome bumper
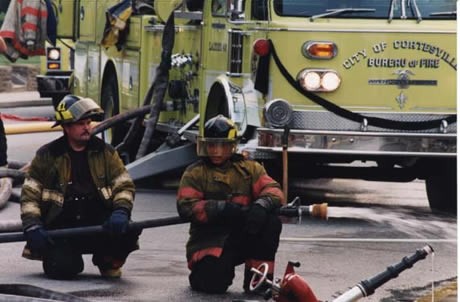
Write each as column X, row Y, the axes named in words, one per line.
column 359, row 143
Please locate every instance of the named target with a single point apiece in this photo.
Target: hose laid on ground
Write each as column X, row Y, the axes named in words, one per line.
column 10, row 226
column 367, row 287
column 14, row 117
column 30, row 293
column 24, row 128
column 6, row 187
column 12, row 173
column 7, row 178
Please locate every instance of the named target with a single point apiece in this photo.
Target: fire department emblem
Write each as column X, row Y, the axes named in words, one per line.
column 401, row 99
column 403, row 78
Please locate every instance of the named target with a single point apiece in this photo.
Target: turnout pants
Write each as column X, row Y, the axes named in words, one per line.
column 63, row 259
column 215, row 275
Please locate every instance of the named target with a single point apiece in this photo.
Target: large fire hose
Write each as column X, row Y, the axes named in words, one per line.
column 160, row 85
column 367, row 287
column 119, row 118
column 315, row 210
column 14, row 172
column 30, row 293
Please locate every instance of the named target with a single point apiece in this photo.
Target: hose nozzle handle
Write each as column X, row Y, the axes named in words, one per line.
column 313, row 210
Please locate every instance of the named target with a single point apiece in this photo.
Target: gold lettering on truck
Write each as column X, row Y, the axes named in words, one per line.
column 379, row 62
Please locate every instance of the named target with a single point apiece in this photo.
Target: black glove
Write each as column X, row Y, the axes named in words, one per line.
column 118, row 222
column 38, row 239
column 255, row 219
column 231, row 213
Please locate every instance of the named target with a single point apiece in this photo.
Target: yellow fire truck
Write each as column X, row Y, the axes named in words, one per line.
column 56, row 69
column 325, row 84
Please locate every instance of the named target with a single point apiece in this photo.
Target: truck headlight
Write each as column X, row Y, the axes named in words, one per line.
column 311, row 81
column 54, row 54
column 330, row 81
column 318, row 80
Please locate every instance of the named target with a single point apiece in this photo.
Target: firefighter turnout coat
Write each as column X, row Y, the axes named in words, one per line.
column 204, row 189
column 44, row 188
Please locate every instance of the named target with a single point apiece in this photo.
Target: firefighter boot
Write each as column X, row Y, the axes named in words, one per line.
column 109, row 267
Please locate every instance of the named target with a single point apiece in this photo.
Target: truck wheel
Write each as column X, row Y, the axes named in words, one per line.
column 441, row 187
column 110, row 107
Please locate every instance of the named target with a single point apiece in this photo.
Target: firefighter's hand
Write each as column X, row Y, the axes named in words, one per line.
column 118, row 222
column 255, row 219
column 37, row 239
column 231, row 213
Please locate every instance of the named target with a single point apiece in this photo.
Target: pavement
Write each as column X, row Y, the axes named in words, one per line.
column 446, row 293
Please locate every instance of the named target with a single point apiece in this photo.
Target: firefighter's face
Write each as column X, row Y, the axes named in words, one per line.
column 219, row 153
column 78, row 133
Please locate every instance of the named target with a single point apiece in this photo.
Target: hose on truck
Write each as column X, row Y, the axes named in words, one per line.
column 160, row 85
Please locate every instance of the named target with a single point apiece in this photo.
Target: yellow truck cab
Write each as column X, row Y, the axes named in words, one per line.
column 331, row 83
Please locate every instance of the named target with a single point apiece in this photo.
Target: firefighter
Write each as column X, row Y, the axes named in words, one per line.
column 78, row 180
column 230, row 202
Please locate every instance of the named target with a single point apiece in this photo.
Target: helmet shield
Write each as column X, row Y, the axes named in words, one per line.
column 220, row 138
column 221, row 147
column 72, row 109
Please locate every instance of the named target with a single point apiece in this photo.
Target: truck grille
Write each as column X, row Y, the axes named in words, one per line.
column 320, row 120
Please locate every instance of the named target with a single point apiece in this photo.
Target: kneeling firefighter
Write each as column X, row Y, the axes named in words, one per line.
column 230, row 202
column 78, row 180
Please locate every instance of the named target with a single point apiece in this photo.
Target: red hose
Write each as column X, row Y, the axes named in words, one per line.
column 8, row 116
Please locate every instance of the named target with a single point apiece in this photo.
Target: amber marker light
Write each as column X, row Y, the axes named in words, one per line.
column 261, row 47
column 54, row 66
column 322, row 50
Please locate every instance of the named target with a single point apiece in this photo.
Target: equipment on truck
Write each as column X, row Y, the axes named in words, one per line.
column 293, row 288
column 354, row 89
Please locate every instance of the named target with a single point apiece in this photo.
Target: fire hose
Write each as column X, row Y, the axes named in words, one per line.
column 367, row 287
column 293, row 288
column 315, row 210
column 30, row 293
column 15, row 171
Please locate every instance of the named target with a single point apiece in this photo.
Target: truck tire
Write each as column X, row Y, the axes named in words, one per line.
column 441, row 186
column 109, row 100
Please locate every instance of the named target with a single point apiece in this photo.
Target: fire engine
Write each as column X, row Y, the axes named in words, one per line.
column 359, row 89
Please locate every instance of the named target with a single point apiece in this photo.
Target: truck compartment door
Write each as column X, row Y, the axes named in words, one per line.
column 87, row 17
column 67, row 18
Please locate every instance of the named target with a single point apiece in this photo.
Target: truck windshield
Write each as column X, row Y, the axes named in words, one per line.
column 368, row 9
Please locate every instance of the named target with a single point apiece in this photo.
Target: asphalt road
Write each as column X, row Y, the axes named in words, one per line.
column 374, row 225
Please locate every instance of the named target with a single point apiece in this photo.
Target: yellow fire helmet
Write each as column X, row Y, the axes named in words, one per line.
column 73, row 108
column 219, row 132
